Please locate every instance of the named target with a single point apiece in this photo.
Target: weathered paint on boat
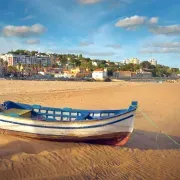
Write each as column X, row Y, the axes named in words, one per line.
column 114, row 129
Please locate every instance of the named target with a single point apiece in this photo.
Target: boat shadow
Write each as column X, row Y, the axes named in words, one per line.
column 139, row 139
column 145, row 140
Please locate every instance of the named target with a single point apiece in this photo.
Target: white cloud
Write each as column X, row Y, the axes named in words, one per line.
column 73, row 51
column 89, row 1
column 114, row 46
column 165, row 44
column 166, row 30
column 131, row 22
column 14, row 44
column 160, row 50
column 160, row 44
column 153, row 20
column 32, row 41
column 100, row 53
column 85, row 43
column 23, row 31
column 90, row 53
column 27, row 17
column 115, row 2
column 161, row 47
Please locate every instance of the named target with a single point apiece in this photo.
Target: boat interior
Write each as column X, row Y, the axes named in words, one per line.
column 37, row 112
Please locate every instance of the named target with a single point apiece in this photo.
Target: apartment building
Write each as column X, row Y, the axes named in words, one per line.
column 14, row 59
column 132, row 60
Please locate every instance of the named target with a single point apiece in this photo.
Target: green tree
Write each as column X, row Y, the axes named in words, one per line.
column 102, row 64
column 84, row 65
column 55, row 65
column 33, row 53
column 174, row 70
column 1, row 62
column 161, row 71
column 146, row 64
column 128, row 67
column 136, row 67
column 90, row 66
column 111, row 70
column 63, row 60
column 11, row 69
column 75, row 62
column 80, row 56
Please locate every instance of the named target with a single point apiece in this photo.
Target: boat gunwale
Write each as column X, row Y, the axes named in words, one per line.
column 75, row 122
column 71, row 127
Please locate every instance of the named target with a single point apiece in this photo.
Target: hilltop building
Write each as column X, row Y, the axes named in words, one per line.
column 94, row 63
column 132, row 60
column 127, row 61
column 153, row 62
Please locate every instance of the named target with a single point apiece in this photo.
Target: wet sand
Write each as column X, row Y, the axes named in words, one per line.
column 149, row 154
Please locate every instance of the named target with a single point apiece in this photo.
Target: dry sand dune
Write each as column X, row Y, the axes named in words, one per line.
column 149, row 154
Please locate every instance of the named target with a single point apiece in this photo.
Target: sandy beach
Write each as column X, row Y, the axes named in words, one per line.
column 149, row 154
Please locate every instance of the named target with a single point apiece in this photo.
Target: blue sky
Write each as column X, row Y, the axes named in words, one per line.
column 103, row 29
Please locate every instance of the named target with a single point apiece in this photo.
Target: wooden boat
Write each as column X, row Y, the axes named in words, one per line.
column 111, row 127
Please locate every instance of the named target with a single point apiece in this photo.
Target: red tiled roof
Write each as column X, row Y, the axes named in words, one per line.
column 99, row 70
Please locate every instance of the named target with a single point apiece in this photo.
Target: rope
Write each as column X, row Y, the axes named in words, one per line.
column 157, row 140
column 155, row 125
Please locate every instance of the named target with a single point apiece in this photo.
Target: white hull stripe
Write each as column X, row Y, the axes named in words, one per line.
column 81, row 127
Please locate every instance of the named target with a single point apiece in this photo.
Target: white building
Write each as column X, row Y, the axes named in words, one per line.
column 117, row 63
column 14, row 59
column 59, row 75
column 127, row 61
column 132, row 60
column 64, row 75
column 41, row 73
column 153, row 62
column 99, row 74
column 94, row 63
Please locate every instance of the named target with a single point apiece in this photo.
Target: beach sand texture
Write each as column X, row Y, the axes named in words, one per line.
column 147, row 155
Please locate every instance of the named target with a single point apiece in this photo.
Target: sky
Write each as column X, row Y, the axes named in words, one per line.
column 100, row 29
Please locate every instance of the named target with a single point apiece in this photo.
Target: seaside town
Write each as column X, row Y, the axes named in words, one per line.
column 23, row 63
column 89, row 90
